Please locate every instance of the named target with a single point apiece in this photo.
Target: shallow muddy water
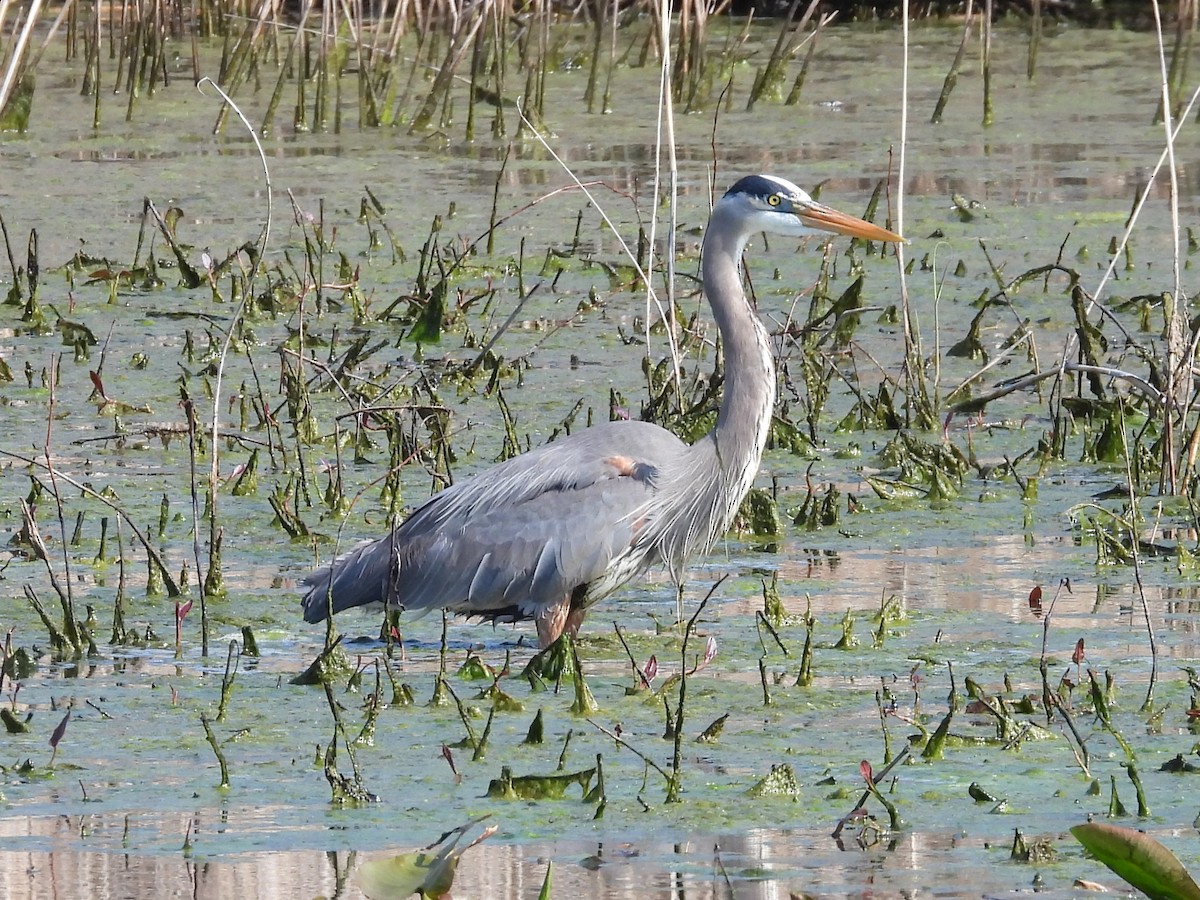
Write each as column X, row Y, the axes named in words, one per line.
column 132, row 806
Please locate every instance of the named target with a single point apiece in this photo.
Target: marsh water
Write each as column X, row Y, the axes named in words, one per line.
column 130, row 804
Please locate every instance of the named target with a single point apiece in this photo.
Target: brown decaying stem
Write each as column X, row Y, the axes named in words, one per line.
column 876, row 777
column 232, row 660
column 951, row 79
column 216, row 748
column 673, row 785
column 642, row 679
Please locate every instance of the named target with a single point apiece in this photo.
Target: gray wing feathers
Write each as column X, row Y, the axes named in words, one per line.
column 545, row 572
column 525, row 556
column 478, row 588
column 359, row 577
column 514, row 539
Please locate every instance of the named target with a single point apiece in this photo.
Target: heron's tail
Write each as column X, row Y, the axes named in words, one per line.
column 354, row 579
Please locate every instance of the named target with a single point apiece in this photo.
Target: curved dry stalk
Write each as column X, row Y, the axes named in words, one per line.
column 628, row 746
column 65, row 594
column 1000, row 357
column 876, row 777
column 914, row 379
column 15, row 66
column 33, row 534
column 1071, row 341
column 651, row 294
column 1176, row 381
column 665, row 132
column 155, row 557
column 47, row 39
column 1145, row 387
column 214, row 537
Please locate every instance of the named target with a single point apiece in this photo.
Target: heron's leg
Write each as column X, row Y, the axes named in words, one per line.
column 552, row 621
column 574, row 619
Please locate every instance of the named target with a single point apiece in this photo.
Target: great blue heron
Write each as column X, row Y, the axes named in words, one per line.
column 547, row 534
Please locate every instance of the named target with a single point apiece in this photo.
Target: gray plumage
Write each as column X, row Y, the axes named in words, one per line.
column 548, row 534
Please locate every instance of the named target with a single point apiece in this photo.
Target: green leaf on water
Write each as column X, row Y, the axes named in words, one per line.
column 427, row 874
column 1139, row 859
column 537, row 730
column 712, row 733
column 427, row 329
column 503, row 702
column 423, row 872
column 474, row 669
column 538, row 787
column 12, row 724
column 781, row 782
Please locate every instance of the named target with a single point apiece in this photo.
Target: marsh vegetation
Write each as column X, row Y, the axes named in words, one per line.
column 958, row 616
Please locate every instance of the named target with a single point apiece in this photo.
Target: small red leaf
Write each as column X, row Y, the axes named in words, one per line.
column 181, row 610
column 650, row 669
column 1035, row 599
column 449, row 757
column 864, row 769
column 1077, row 656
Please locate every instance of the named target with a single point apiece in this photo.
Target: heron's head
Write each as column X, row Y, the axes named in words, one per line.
column 766, row 203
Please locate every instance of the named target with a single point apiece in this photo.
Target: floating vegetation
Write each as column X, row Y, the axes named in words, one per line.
column 198, row 418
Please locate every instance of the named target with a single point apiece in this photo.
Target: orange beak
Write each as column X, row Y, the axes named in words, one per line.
column 826, row 218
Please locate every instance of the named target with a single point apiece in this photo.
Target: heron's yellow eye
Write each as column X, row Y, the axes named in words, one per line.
column 774, row 200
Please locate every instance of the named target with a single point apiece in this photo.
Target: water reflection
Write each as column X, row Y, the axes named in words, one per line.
column 1048, row 146
column 758, row 864
column 1042, row 172
column 993, row 579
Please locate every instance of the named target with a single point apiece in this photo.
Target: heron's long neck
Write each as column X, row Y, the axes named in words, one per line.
column 701, row 493
column 749, row 396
